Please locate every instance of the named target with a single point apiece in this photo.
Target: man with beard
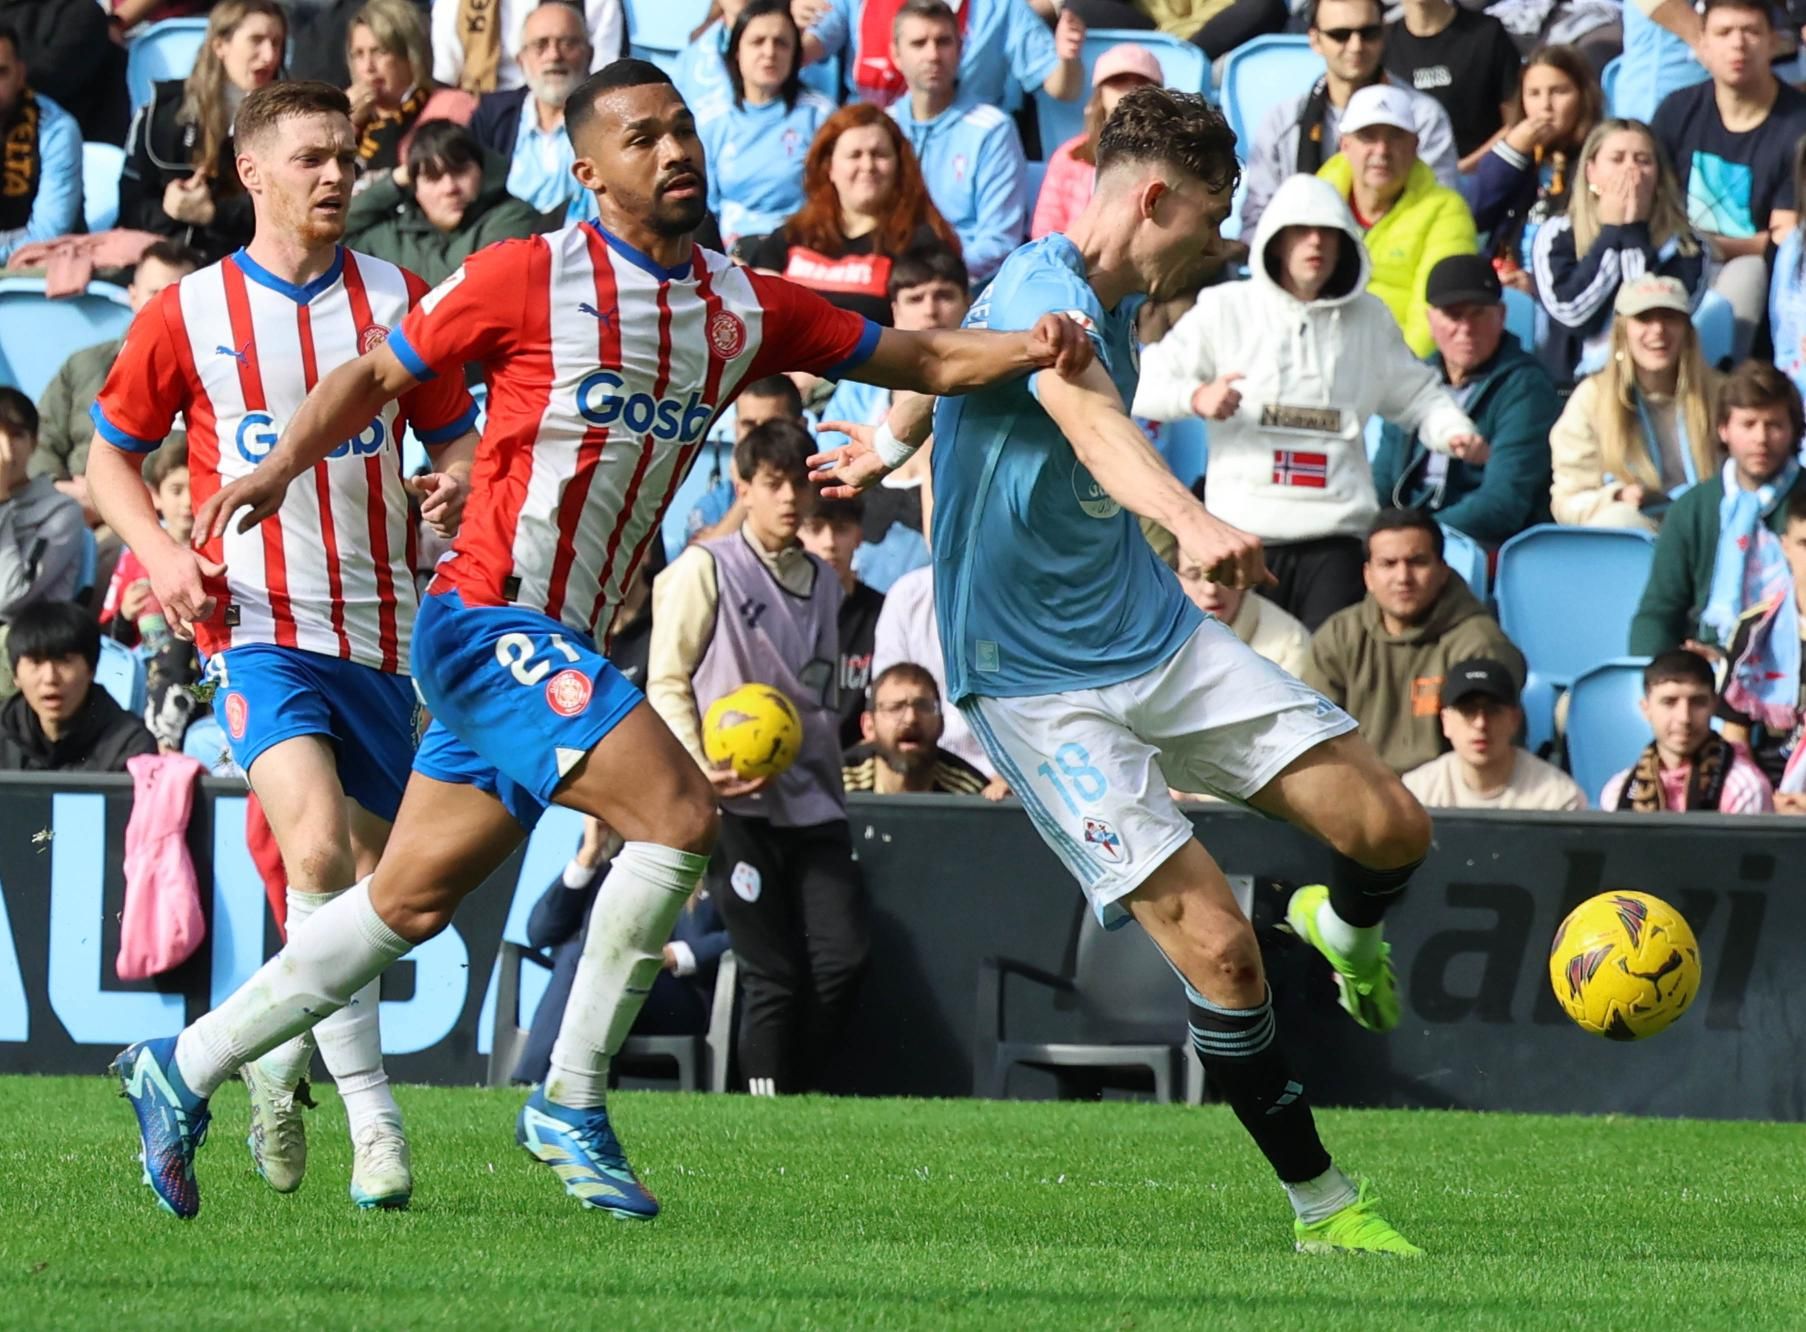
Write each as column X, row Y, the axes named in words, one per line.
column 612, row 346
column 902, row 753
column 306, row 623
column 526, row 125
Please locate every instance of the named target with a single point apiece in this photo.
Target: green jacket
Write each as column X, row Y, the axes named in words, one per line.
column 1513, row 405
column 1680, row 579
column 385, row 221
column 1427, row 224
column 64, row 426
column 1392, row 684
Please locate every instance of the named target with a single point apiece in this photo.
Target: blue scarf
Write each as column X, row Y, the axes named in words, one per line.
column 1749, row 571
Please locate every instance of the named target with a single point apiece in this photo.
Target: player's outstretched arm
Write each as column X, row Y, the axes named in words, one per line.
column 851, row 469
column 341, row 405
column 943, row 361
column 1090, row 413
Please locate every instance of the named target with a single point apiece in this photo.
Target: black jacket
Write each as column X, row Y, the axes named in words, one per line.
column 73, row 60
column 100, row 739
column 496, row 120
column 160, row 149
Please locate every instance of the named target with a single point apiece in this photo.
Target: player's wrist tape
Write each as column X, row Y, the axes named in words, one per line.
column 891, row 450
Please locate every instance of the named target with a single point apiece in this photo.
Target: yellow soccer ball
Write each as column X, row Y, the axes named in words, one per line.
column 1624, row 965
column 755, row 730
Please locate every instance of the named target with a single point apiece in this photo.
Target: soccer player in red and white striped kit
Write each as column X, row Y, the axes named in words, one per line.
column 609, row 348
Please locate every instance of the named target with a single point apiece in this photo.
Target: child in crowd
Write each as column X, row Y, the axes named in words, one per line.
column 130, row 612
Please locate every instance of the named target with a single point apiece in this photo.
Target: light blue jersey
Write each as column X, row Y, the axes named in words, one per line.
column 1007, row 48
column 755, row 156
column 972, row 163
column 1043, row 583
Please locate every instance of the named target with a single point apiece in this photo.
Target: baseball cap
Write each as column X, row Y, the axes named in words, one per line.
column 1463, row 279
column 1479, row 675
column 1652, row 291
column 1378, row 104
column 1127, row 58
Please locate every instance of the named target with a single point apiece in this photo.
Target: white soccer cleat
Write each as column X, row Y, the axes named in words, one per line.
column 381, row 1168
column 278, row 1139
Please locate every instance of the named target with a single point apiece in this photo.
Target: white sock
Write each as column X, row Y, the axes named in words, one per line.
column 647, row 885
column 1360, row 944
column 288, row 1063
column 342, row 948
column 1322, row 1197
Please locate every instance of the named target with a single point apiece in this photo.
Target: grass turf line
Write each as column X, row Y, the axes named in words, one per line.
column 811, row 1213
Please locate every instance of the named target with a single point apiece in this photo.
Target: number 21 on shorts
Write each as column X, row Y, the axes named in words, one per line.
column 1075, row 776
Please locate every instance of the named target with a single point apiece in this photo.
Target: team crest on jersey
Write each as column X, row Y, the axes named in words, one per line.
column 567, row 693
column 1103, row 839
column 1093, row 499
column 746, row 881
column 238, row 713
column 371, row 338
column 727, row 334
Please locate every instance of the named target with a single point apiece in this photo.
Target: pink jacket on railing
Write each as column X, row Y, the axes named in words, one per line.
column 1065, row 190
column 162, row 924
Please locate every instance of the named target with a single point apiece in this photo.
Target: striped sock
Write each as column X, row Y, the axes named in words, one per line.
column 1245, row 1064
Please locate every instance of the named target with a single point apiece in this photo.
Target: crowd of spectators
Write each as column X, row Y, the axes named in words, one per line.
column 1366, row 394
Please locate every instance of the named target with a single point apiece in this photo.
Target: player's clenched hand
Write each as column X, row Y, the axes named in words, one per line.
column 1228, row 555
column 845, row 472
column 442, row 497
column 1058, row 342
column 731, row 787
column 260, row 491
column 176, row 577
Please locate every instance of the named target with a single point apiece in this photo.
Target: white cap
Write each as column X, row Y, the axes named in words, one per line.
column 1378, row 104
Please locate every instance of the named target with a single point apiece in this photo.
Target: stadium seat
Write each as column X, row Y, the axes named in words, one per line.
column 700, row 1060
column 1466, row 557
column 1717, row 329
column 121, row 673
column 1608, row 80
column 37, row 334
column 101, row 165
column 84, row 578
column 1520, row 317
column 165, row 50
column 1131, row 1019
column 1183, row 64
column 1566, row 596
column 1606, row 730
column 1037, row 172
column 1185, row 444
column 1256, row 75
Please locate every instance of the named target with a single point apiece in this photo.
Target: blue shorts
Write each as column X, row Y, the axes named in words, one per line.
column 517, row 699
column 268, row 694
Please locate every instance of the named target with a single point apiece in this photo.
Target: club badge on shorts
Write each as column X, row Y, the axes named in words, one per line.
column 1103, row 839
column 568, row 692
column 746, row 881
column 238, row 713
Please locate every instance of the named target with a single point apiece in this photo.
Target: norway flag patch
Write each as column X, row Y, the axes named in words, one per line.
column 1294, row 468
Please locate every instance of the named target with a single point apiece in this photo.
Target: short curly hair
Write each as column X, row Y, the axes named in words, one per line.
column 1180, row 129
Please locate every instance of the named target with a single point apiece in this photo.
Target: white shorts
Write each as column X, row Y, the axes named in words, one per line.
column 1093, row 766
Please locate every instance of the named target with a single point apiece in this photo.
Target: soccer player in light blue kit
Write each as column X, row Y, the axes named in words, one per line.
column 1093, row 682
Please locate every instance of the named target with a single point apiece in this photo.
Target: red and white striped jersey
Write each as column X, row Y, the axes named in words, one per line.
column 233, row 350
column 605, row 372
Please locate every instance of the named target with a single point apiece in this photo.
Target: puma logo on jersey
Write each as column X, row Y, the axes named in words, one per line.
column 241, row 355
column 606, row 317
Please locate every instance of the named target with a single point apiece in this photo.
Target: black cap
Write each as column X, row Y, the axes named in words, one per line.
column 1481, row 675
column 1463, row 279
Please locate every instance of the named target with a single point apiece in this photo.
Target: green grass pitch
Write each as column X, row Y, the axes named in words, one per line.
column 812, row 1213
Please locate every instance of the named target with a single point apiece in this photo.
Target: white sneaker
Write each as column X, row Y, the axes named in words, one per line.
column 381, row 1170
column 278, row 1139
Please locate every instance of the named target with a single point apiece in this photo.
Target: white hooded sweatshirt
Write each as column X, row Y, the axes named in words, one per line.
column 1291, row 464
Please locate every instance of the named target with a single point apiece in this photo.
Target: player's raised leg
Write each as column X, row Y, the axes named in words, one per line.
column 1340, row 792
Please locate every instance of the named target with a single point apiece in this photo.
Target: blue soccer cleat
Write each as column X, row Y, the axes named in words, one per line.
column 583, row 1152
column 172, row 1121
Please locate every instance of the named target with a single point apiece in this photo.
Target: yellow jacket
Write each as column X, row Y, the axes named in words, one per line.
column 1427, row 224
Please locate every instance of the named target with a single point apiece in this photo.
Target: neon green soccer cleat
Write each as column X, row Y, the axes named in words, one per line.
column 1357, row 1228
column 1369, row 996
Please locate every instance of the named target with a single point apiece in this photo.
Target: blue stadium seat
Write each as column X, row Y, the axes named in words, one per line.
column 1566, row 596
column 1256, row 75
column 37, row 334
column 121, row 673
column 1717, row 329
column 1608, row 80
column 1183, row 64
column 1520, row 317
column 1185, row 444
column 1606, row 731
column 101, row 165
column 84, row 578
column 165, row 50
column 1037, row 172
column 1466, row 557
